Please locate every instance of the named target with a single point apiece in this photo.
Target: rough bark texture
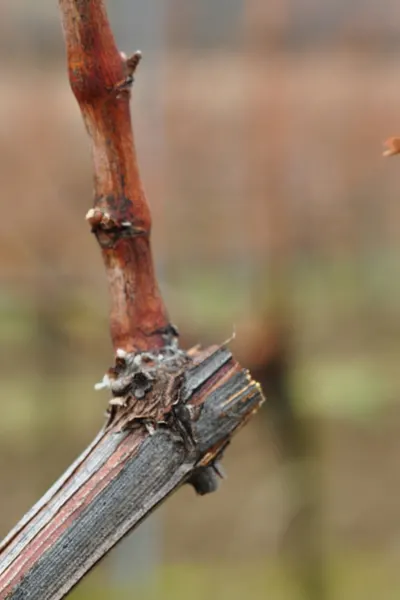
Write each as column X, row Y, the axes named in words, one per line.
column 171, row 412
column 119, row 480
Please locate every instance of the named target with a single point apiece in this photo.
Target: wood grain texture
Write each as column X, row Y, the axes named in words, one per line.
column 119, row 480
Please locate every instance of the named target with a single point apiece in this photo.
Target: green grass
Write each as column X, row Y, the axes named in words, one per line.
column 349, row 577
column 356, row 387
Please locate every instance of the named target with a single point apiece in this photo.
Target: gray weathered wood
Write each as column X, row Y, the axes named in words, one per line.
column 118, row 481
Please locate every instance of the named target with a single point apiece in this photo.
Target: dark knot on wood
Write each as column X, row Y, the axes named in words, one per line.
column 145, row 387
column 108, row 230
column 166, row 389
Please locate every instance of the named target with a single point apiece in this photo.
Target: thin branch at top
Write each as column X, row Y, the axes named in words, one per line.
column 121, row 217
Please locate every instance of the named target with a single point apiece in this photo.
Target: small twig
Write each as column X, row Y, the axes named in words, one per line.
column 131, row 65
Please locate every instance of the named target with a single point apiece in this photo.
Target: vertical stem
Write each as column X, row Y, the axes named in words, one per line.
column 121, row 217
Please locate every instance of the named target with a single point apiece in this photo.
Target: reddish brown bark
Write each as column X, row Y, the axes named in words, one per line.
column 121, row 217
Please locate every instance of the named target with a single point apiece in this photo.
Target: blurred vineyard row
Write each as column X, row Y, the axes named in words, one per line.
column 259, row 131
column 276, row 175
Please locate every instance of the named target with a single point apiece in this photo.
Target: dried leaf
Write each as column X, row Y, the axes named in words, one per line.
column 393, row 146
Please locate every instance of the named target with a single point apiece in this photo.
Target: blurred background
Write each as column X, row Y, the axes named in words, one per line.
column 259, row 128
